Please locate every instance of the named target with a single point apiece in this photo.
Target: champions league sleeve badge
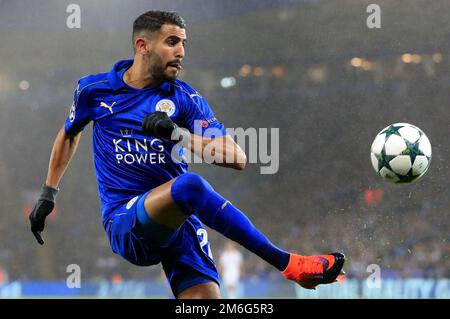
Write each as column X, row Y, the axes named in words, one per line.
column 72, row 112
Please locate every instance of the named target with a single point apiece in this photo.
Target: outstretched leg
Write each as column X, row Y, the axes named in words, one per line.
column 171, row 203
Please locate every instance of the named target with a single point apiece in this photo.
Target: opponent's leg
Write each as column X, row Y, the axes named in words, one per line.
column 208, row 290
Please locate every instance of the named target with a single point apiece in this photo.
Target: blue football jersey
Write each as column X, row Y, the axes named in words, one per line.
column 128, row 163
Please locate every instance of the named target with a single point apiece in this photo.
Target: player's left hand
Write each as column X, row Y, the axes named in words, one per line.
column 159, row 124
column 41, row 210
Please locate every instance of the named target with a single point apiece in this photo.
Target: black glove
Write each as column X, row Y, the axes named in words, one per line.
column 43, row 208
column 159, row 124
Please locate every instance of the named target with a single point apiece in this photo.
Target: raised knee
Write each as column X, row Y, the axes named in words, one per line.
column 188, row 191
column 193, row 183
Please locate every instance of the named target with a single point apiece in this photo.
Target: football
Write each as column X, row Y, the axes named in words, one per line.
column 401, row 153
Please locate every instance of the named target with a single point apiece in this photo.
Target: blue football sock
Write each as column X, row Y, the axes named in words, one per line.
column 195, row 196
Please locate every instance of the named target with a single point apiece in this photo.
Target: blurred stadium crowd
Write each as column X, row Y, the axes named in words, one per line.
column 325, row 196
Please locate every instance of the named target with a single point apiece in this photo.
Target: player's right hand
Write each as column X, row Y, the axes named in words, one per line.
column 159, row 124
column 41, row 210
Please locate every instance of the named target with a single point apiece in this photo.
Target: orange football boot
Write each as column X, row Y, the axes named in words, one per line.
column 310, row 271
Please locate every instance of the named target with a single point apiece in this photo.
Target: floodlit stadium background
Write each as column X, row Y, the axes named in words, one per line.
column 312, row 69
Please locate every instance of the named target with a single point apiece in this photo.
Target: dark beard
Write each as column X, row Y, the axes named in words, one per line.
column 158, row 69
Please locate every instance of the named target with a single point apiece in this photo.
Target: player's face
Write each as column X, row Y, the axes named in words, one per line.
column 167, row 52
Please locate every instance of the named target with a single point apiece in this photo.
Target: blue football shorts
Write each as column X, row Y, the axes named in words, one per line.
column 185, row 253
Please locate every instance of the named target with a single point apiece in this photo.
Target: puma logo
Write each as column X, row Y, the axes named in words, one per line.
column 109, row 107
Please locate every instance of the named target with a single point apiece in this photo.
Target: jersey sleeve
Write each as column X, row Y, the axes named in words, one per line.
column 199, row 118
column 79, row 115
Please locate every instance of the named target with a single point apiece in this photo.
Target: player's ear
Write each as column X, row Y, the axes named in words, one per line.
column 142, row 45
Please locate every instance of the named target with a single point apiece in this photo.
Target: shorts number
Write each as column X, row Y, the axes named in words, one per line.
column 204, row 241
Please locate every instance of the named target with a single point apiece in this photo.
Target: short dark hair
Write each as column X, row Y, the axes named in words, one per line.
column 152, row 21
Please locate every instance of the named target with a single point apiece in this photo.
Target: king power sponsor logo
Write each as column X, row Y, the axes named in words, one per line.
column 261, row 146
column 130, row 151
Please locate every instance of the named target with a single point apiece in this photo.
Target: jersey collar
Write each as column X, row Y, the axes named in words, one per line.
column 115, row 77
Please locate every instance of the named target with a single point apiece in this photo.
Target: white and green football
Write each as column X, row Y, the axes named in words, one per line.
column 401, row 153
